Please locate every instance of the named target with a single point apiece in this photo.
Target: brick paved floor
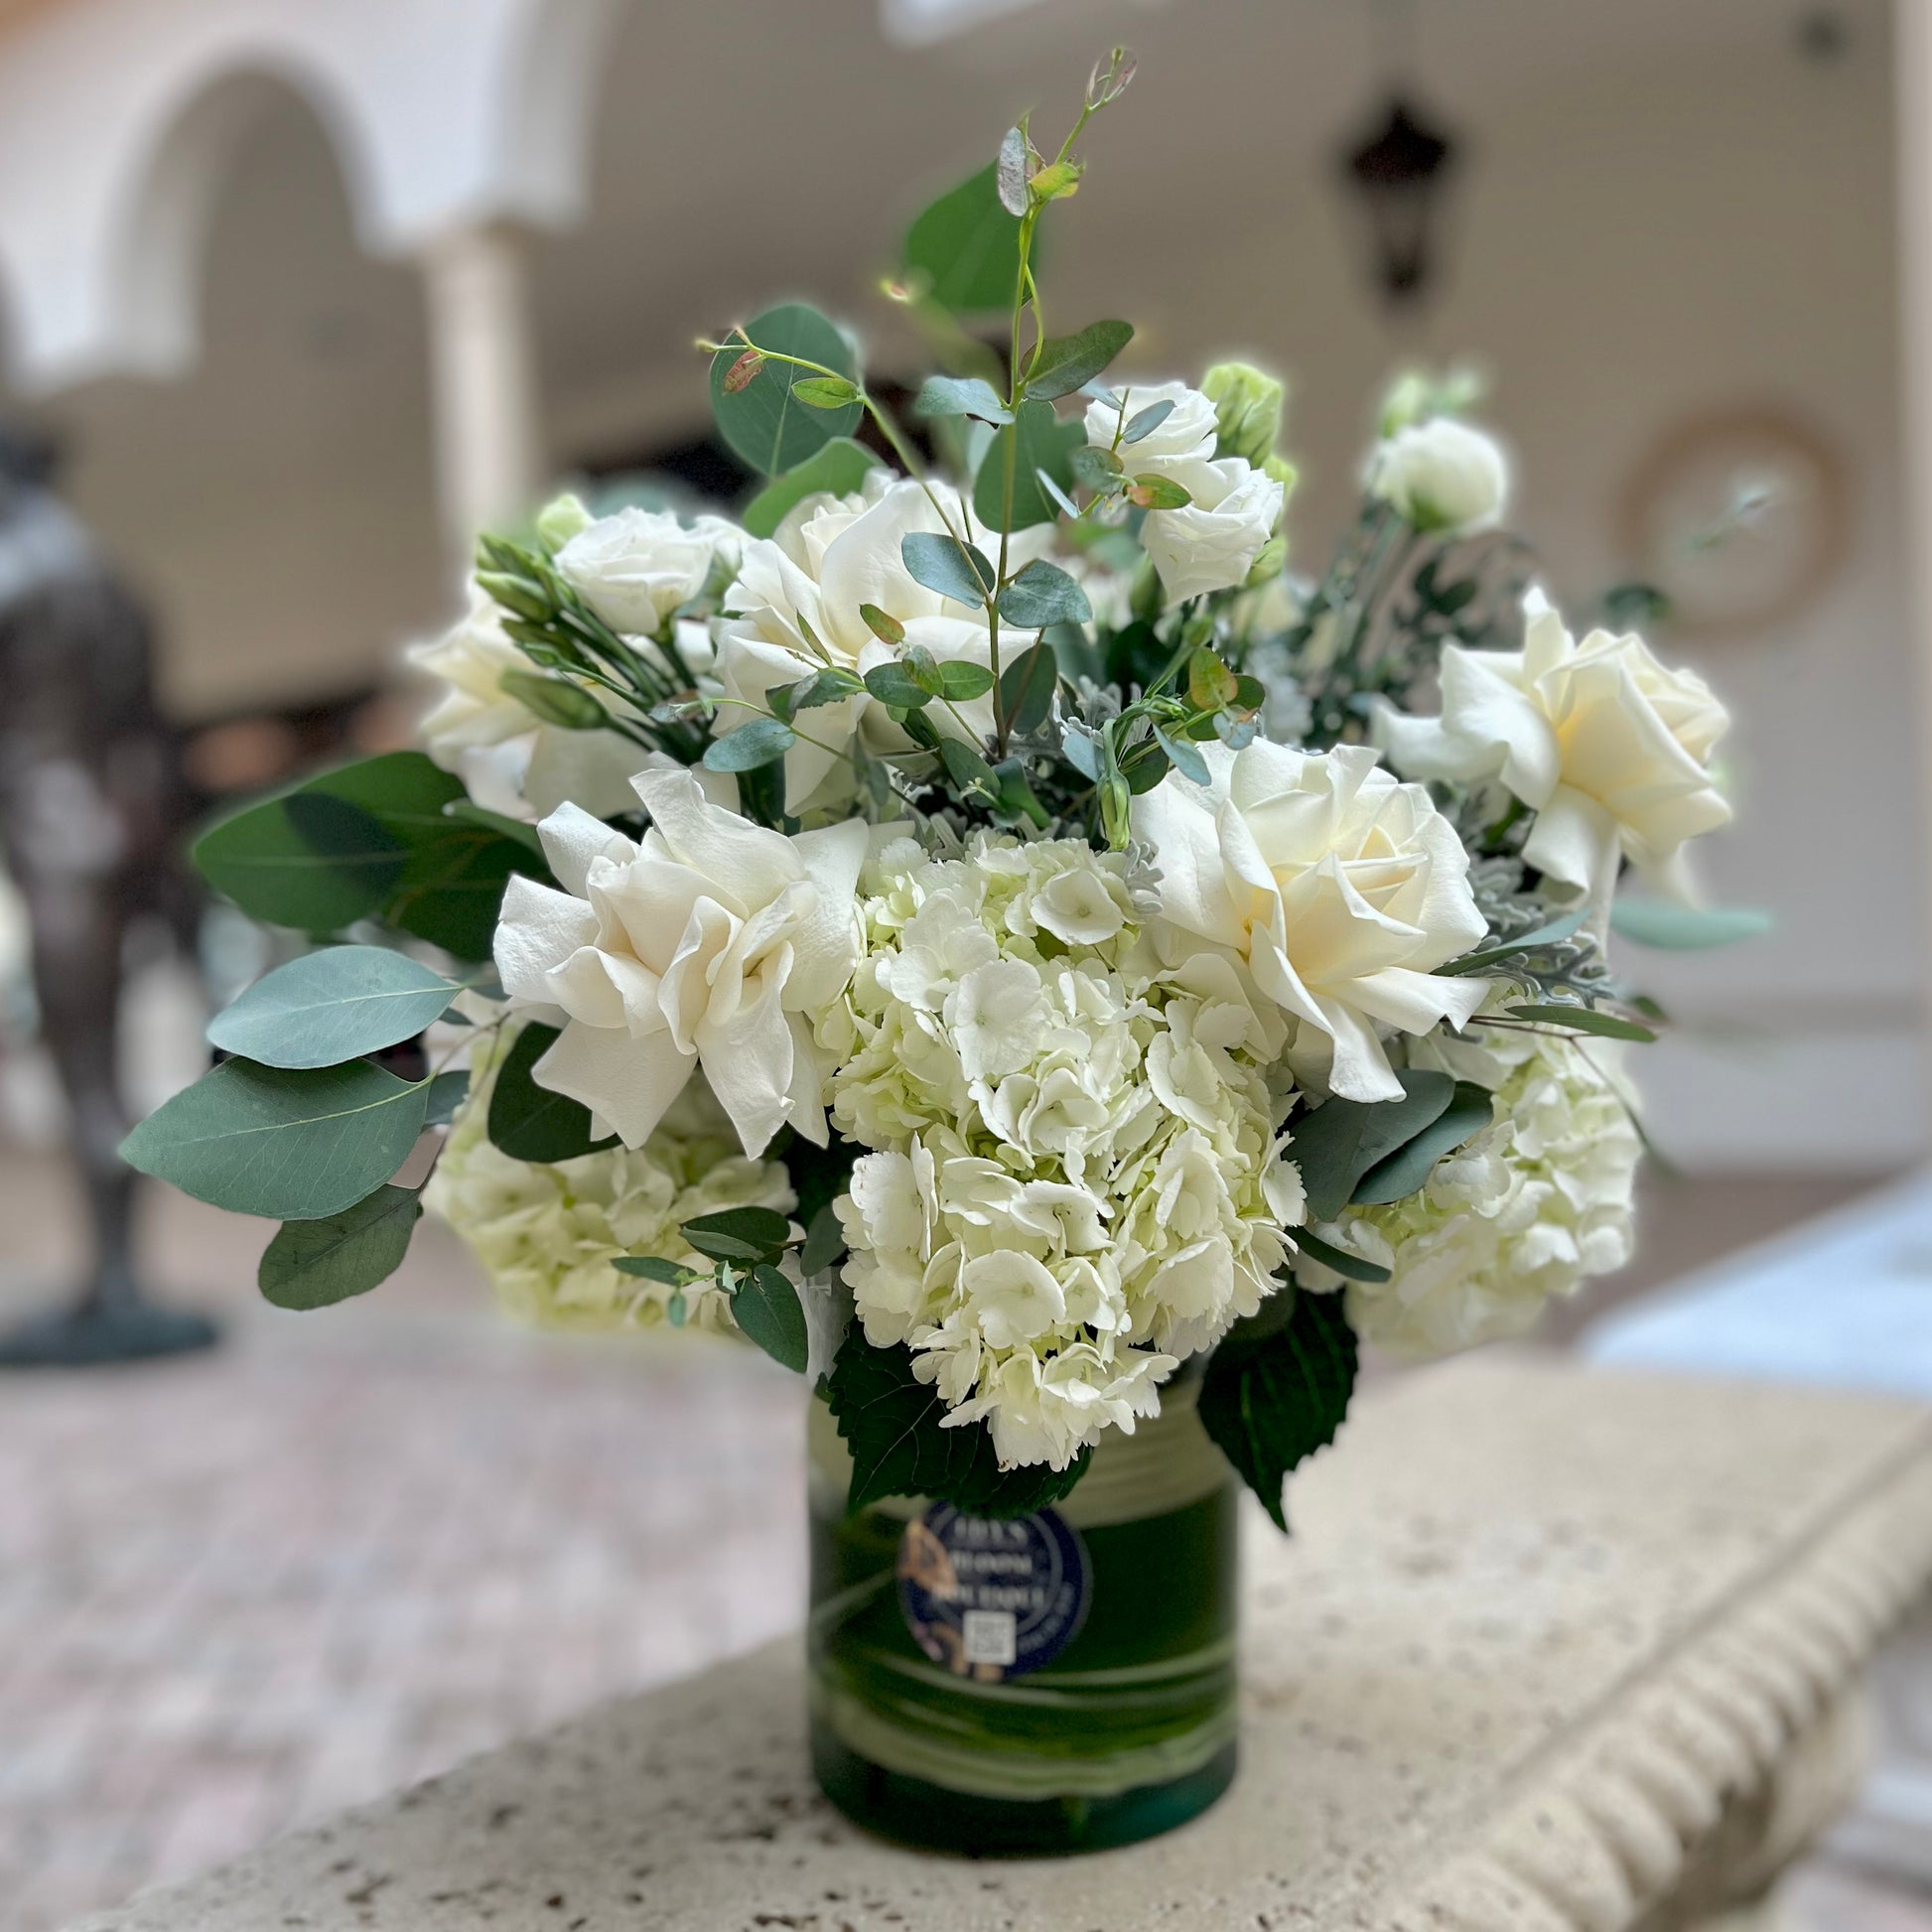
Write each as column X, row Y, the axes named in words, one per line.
column 351, row 1548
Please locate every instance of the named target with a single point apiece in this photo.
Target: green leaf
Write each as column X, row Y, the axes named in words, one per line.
column 452, row 885
column 554, row 700
column 488, row 821
column 1685, row 928
column 1349, row 1265
column 968, row 769
column 1027, row 688
column 953, row 569
column 882, row 624
column 965, row 248
column 961, row 681
column 824, row 1241
column 1544, row 935
column 1043, row 593
column 960, row 395
column 1337, row 1142
column 530, row 1123
column 838, row 467
column 1068, row 361
column 1210, row 684
column 332, row 1006
column 1584, row 1020
column 447, row 1093
column 287, row 1144
column 891, row 1422
column 1094, row 466
column 1398, row 1175
column 315, row 1264
column 764, row 422
column 767, row 1309
column 1186, row 761
column 1158, row 493
column 830, row 686
column 1144, row 422
column 1042, row 442
column 654, row 1268
column 739, row 1234
column 894, row 686
column 747, row 745
column 1278, row 1391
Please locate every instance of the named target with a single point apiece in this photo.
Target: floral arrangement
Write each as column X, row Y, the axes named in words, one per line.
column 975, row 922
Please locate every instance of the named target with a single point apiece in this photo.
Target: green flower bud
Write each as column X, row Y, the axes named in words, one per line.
column 562, row 519
column 568, row 705
column 1269, row 565
column 1246, row 410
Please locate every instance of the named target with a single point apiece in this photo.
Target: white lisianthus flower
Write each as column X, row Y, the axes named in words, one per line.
column 546, row 1235
column 1609, row 749
column 509, row 761
column 795, row 604
column 1079, row 1176
column 1442, row 476
column 707, row 943
column 1212, row 542
column 1518, row 1217
column 1340, row 887
column 635, row 568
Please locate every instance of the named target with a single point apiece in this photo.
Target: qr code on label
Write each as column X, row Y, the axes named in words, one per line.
column 989, row 1636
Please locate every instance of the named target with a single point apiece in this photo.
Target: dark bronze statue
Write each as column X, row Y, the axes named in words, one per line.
column 90, row 814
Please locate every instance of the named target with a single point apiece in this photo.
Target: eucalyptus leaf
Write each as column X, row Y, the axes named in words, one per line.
column 655, row 1268
column 1337, row 1142
column 1068, row 362
column 1350, row 1267
column 445, row 1098
column 1685, row 928
column 826, row 391
column 332, row 1006
column 892, row 1423
column 766, row 1308
column 958, row 570
column 838, row 467
column 738, row 1234
column 965, row 248
column 1039, row 441
column 316, row 1264
column 757, row 741
column 288, row 1144
column 968, row 769
column 529, row 1122
column 960, row 395
column 894, row 686
column 1027, row 688
column 830, row 686
column 1278, row 1389
column 765, row 422
column 1043, row 593
column 1144, row 422
column 824, row 1241
column 1544, row 935
column 1398, row 1175
column 960, row 680
column 1095, row 468
column 1158, row 493
column 1185, row 758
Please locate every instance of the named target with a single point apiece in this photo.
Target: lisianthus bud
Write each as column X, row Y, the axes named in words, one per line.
column 1442, row 476
column 561, row 518
column 1246, row 410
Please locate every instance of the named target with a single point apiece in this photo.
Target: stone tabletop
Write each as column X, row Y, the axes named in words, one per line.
column 1541, row 1634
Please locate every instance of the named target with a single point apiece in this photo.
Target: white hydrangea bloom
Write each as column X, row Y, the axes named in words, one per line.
column 546, row 1236
column 1518, row 1217
column 508, row 758
column 1078, row 1178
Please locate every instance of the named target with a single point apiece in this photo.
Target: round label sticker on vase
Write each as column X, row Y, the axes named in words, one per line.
column 993, row 1597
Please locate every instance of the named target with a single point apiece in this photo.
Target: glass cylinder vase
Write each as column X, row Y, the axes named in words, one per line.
column 1051, row 1683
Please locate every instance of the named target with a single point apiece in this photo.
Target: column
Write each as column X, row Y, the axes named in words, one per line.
column 489, row 457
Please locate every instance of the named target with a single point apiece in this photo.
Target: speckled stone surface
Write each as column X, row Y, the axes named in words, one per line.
column 1543, row 1635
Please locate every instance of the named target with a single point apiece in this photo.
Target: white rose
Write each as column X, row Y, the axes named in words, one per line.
column 1609, row 750
column 1442, row 476
column 1341, row 888
column 830, row 556
column 1212, row 543
column 707, row 943
column 508, row 758
column 1179, row 447
column 636, row 568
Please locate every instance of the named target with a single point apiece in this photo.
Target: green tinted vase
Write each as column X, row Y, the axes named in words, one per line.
column 1059, row 1683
